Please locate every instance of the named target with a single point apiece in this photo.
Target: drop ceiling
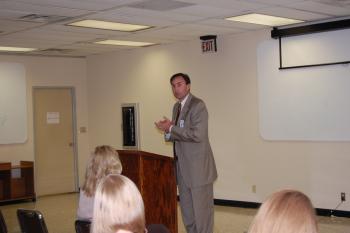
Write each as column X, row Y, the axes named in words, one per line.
column 42, row 23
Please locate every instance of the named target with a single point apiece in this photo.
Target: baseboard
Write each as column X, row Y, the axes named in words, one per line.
column 241, row 204
column 255, row 205
column 333, row 213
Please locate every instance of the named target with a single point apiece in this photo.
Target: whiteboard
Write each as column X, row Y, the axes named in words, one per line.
column 13, row 107
column 308, row 104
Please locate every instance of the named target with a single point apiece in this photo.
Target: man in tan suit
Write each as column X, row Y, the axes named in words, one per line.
column 195, row 165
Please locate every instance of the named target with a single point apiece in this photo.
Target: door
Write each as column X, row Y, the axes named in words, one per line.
column 54, row 141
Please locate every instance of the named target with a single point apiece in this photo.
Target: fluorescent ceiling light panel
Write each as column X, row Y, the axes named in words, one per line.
column 16, row 49
column 90, row 23
column 124, row 43
column 264, row 19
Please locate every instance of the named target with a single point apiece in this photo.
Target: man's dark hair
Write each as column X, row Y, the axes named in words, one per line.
column 184, row 76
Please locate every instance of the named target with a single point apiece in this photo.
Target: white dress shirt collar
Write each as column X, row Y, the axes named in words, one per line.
column 184, row 101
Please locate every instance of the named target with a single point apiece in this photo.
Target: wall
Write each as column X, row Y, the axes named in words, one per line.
column 47, row 72
column 227, row 81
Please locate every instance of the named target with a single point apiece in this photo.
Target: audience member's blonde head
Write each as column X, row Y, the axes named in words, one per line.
column 286, row 211
column 104, row 161
column 118, row 206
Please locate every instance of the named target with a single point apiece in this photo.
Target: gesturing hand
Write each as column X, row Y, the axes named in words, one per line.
column 164, row 125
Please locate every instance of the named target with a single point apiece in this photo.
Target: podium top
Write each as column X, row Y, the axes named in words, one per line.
column 144, row 154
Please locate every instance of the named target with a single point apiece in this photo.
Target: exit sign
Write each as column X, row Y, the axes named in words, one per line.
column 208, row 44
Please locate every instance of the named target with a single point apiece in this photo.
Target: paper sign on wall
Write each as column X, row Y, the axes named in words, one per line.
column 52, row 117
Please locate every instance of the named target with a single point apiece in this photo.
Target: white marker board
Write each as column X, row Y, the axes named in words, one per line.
column 13, row 103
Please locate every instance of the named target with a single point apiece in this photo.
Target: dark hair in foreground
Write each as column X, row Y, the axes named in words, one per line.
column 184, row 76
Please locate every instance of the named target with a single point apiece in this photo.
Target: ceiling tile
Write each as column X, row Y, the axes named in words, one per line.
column 192, row 30
column 96, row 5
column 230, row 4
column 97, row 48
column 148, row 37
column 275, row 2
column 321, row 8
column 148, row 14
column 38, row 9
column 7, row 26
column 82, row 30
column 235, row 26
column 27, row 43
column 344, row 3
column 292, row 13
column 11, row 14
column 205, row 11
column 160, row 5
column 162, row 34
column 40, row 34
column 136, row 19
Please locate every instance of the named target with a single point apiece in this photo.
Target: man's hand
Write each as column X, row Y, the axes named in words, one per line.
column 164, row 125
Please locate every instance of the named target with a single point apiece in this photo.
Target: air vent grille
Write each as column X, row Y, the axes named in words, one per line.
column 43, row 18
column 56, row 51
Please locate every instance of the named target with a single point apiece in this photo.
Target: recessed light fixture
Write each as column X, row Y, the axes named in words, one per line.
column 98, row 24
column 16, row 49
column 124, row 43
column 268, row 20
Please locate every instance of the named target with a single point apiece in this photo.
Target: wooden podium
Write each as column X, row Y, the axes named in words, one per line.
column 154, row 175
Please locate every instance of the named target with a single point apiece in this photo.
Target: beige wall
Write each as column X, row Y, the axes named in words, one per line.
column 227, row 81
column 47, row 72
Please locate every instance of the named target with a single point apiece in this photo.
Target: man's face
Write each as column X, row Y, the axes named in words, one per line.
column 180, row 88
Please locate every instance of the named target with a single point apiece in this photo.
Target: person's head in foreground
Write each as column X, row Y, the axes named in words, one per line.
column 105, row 160
column 286, row 211
column 118, row 206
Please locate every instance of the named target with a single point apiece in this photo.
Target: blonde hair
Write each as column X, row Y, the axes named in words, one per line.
column 286, row 211
column 118, row 205
column 105, row 160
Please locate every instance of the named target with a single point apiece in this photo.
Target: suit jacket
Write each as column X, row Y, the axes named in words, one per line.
column 195, row 157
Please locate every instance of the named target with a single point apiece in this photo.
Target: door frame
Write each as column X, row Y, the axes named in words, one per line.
column 74, row 131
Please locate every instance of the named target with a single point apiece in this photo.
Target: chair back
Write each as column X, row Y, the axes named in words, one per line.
column 3, row 228
column 31, row 221
column 157, row 228
column 82, row 226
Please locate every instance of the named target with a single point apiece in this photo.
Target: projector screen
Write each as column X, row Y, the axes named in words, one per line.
column 316, row 48
column 13, row 107
column 311, row 104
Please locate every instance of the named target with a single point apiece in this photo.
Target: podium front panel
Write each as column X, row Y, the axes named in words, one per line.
column 154, row 175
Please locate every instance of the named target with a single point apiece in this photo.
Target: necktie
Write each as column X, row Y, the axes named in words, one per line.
column 178, row 112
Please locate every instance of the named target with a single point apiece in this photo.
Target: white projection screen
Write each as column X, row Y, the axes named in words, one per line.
column 306, row 104
column 13, row 109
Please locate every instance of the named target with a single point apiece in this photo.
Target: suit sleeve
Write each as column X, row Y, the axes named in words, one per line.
column 195, row 128
column 167, row 136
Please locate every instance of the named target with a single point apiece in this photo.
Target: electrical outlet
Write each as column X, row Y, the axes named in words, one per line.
column 253, row 188
column 342, row 196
